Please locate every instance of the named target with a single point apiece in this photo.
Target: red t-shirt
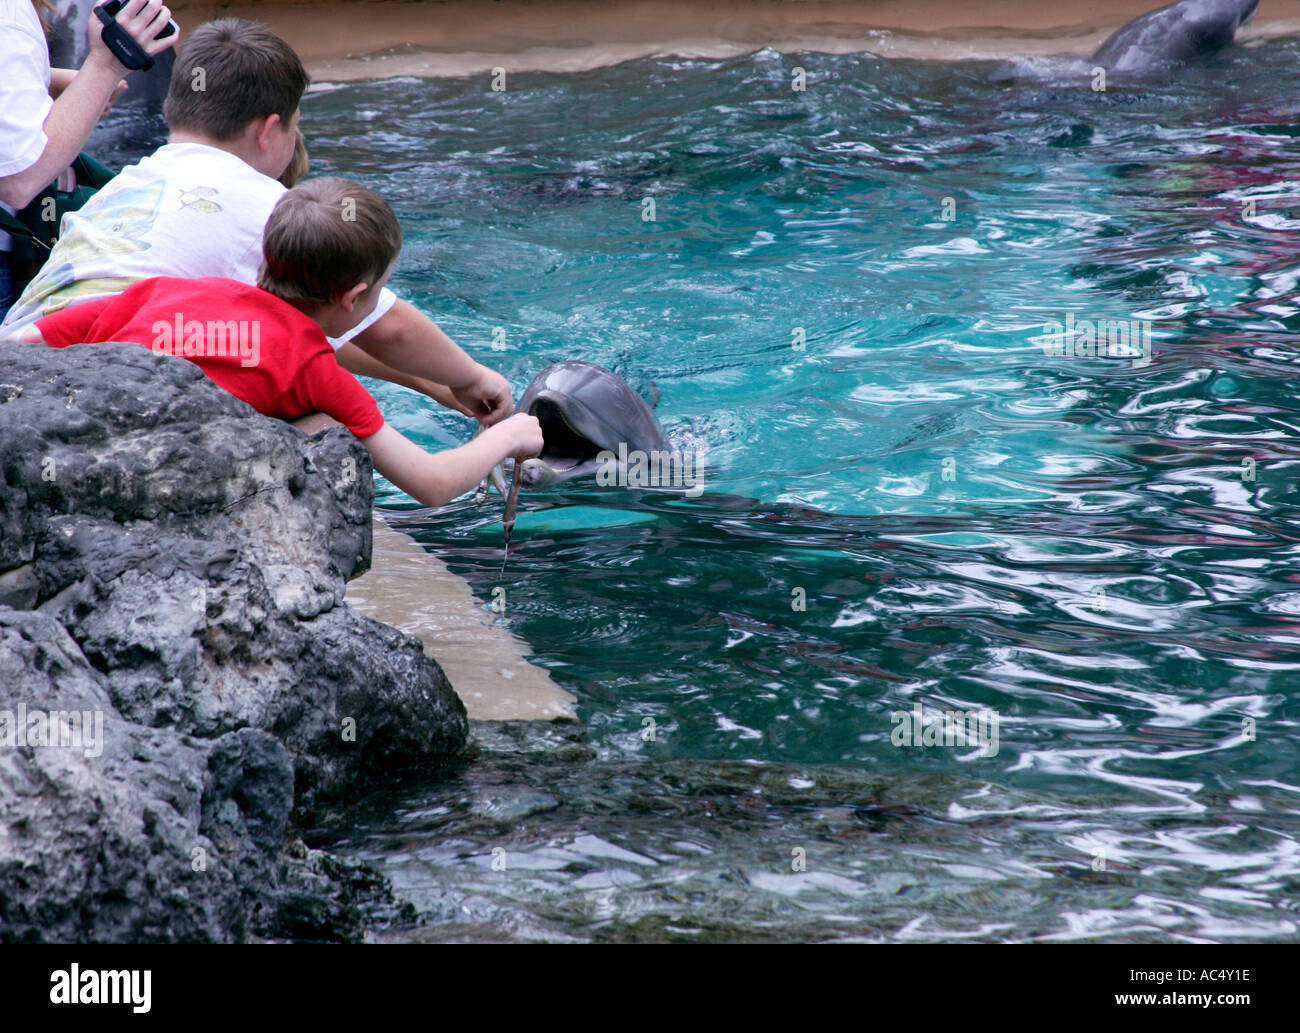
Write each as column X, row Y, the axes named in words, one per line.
column 257, row 347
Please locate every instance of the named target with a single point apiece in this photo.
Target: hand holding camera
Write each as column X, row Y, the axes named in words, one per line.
column 132, row 31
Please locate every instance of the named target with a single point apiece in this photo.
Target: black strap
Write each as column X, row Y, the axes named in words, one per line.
column 119, row 41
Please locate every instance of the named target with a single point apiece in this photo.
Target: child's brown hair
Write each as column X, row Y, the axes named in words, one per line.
column 325, row 237
column 230, row 72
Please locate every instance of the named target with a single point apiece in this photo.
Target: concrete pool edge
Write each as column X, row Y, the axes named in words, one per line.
column 416, row 593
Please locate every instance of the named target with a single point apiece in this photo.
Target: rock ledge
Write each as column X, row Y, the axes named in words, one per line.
column 172, row 567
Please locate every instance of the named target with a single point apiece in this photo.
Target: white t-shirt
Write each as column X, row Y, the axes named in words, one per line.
column 24, row 91
column 186, row 210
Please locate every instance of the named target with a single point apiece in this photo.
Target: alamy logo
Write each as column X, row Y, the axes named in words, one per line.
column 917, row 728
column 656, row 469
column 217, row 338
column 56, row 729
column 1101, row 338
column 124, row 986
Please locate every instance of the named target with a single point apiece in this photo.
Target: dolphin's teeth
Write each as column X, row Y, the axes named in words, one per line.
column 561, row 463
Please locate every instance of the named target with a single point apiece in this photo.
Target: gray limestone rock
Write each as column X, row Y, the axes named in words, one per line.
column 175, row 562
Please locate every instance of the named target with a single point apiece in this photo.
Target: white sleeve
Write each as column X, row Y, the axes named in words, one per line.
column 387, row 299
column 24, row 98
column 248, row 265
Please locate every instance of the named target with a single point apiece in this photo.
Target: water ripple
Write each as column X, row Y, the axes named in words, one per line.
column 925, row 506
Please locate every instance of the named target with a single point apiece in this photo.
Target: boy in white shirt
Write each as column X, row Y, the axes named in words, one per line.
column 198, row 205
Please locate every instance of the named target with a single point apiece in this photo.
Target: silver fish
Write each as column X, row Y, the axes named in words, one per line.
column 508, row 517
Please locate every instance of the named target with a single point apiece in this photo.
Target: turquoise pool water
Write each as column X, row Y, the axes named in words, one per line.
column 1071, row 543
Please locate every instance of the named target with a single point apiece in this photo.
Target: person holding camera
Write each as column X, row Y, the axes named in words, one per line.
column 46, row 115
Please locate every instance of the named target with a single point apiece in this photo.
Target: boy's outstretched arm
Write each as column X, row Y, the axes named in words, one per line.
column 409, row 341
column 361, row 363
column 436, row 479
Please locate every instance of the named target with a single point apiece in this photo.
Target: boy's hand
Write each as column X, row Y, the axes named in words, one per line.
column 524, row 434
column 488, row 398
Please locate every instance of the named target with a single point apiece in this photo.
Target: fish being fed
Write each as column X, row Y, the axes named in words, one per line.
column 508, row 515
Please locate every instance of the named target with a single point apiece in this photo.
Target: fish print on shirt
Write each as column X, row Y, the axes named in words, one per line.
column 198, row 199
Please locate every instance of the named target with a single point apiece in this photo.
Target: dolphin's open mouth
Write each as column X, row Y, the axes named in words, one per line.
column 563, row 447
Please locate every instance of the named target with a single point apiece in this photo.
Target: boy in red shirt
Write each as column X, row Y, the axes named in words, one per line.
column 329, row 247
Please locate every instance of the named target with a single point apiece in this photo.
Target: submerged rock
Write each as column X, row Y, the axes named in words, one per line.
column 174, row 563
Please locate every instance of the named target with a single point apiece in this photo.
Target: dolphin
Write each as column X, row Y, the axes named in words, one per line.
column 1174, row 34
column 584, row 410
